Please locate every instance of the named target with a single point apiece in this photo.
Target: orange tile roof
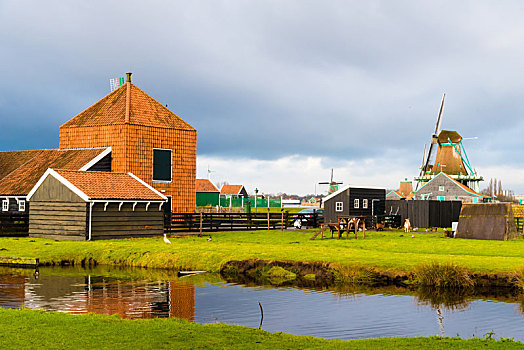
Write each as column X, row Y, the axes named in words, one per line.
column 230, row 189
column 22, row 179
column 399, row 194
column 105, row 185
column 204, row 185
column 11, row 160
column 128, row 104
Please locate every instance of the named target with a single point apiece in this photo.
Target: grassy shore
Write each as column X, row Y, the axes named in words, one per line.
column 385, row 251
column 25, row 329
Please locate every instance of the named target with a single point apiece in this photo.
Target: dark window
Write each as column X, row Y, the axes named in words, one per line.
column 161, row 165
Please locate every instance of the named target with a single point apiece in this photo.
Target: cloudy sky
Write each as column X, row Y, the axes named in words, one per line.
column 280, row 91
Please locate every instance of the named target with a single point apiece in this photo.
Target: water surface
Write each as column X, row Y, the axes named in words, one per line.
column 344, row 312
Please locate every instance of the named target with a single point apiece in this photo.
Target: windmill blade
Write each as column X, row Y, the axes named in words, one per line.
column 424, row 155
column 439, row 119
column 331, row 174
column 428, row 159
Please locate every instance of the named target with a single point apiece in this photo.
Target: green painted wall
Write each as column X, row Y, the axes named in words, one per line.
column 206, row 198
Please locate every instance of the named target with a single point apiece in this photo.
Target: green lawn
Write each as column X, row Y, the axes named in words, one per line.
column 25, row 329
column 387, row 251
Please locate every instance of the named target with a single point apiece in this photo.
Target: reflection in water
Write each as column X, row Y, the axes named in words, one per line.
column 104, row 295
column 343, row 311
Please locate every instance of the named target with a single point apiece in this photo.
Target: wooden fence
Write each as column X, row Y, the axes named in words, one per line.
column 213, row 222
column 14, row 224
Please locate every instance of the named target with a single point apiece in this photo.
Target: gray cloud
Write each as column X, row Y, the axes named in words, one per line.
column 342, row 80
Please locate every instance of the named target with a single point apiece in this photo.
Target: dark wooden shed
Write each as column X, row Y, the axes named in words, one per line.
column 355, row 200
column 86, row 205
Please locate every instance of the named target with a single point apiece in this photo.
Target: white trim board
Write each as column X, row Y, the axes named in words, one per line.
column 63, row 180
column 147, row 185
column 96, row 159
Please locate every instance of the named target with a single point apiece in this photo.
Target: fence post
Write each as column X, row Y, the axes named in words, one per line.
column 268, row 216
column 200, row 234
column 282, row 218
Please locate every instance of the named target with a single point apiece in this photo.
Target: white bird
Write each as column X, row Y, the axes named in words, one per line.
column 167, row 241
column 209, row 239
column 412, row 236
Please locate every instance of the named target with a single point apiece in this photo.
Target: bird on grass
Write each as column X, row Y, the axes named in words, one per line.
column 167, row 241
column 412, row 236
column 209, row 239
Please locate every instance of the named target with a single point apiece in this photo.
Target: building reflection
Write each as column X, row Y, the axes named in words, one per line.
column 12, row 290
column 103, row 295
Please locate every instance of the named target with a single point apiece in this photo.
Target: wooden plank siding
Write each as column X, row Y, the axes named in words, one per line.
column 125, row 223
column 58, row 220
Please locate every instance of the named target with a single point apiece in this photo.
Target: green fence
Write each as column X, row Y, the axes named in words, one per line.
column 261, row 202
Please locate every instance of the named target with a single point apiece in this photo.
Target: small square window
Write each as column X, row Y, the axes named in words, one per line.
column 339, row 206
column 5, row 205
column 364, row 203
column 21, row 205
column 162, row 166
column 441, row 188
column 356, row 203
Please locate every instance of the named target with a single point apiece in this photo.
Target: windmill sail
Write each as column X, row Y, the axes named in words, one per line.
column 430, row 158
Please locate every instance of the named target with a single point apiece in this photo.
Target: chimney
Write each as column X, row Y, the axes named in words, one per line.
column 128, row 77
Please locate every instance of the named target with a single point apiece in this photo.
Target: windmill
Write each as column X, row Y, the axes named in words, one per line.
column 333, row 185
column 447, row 154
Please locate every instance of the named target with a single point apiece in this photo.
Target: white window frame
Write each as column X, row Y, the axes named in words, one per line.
column 21, row 205
column 339, row 206
column 153, row 164
column 364, row 203
column 356, row 203
column 5, row 205
column 441, row 188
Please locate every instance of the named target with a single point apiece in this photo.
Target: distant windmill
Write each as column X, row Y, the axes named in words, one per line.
column 333, row 185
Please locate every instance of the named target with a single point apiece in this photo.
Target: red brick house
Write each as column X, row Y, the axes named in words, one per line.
column 146, row 138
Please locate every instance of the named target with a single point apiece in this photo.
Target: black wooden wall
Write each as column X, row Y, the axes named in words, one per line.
column 348, row 196
column 425, row 213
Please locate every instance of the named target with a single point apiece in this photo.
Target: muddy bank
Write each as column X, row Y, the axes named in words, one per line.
column 325, row 274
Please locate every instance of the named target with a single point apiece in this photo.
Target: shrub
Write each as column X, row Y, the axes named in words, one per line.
column 445, row 274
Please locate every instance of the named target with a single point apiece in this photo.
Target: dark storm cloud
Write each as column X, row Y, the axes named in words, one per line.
column 339, row 79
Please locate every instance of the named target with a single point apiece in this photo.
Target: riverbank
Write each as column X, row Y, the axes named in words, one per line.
column 23, row 329
column 382, row 256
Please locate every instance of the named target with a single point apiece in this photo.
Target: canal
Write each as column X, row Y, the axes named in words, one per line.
column 343, row 312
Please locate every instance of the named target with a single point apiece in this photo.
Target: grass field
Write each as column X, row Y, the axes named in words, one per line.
column 387, row 251
column 25, row 329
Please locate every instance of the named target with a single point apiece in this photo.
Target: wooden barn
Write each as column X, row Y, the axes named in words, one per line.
column 354, row 200
column 87, row 205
